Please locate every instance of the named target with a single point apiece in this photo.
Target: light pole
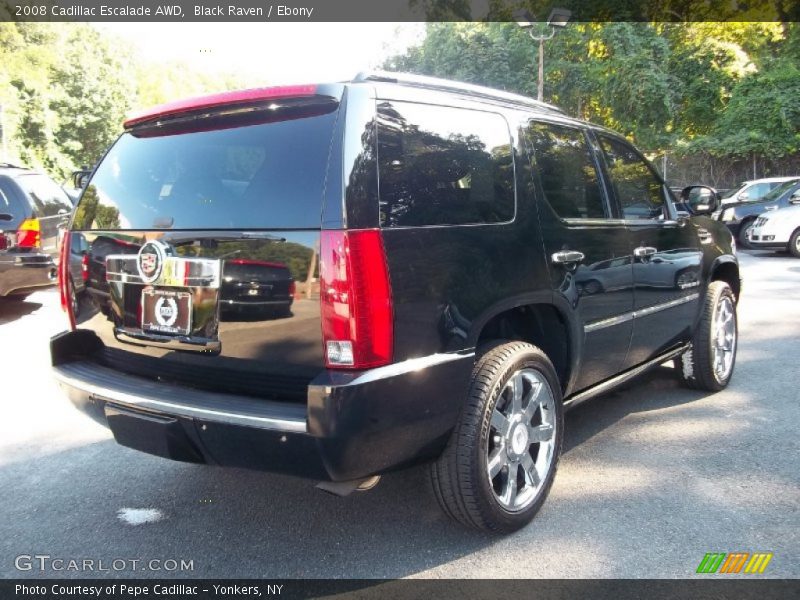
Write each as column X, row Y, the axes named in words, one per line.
column 558, row 18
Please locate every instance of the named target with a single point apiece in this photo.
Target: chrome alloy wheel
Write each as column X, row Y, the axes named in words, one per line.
column 521, row 439
column 724, row 338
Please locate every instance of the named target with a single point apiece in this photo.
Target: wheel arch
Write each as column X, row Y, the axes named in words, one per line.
column 726, row 268
column 541, row 322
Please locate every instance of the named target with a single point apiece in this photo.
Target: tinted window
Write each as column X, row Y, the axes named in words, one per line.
column 779, row 191
column 443, row 166
column 638, row 191
column 5, row 201
column 756, row 191
column 48, row 198
column 567, row 171
column 256, row 175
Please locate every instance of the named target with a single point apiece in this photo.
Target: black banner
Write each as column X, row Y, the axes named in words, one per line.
column 256, row 11
column 407, row 589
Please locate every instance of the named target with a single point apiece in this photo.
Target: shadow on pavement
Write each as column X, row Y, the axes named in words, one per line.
column 11, row 310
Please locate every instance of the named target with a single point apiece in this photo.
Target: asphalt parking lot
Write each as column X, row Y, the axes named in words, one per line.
column 653, row 477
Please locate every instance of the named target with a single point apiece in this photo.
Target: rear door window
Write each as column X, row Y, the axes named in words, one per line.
column 260, row 175
column 439, row 165
column 567, row 171
column 639, row 191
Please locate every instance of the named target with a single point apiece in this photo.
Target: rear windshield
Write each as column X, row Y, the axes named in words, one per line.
column 47, row 196
column 257, row 176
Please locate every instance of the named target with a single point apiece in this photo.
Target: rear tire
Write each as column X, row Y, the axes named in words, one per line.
column 74, row 299
column 709, row 364
column 794, row 244
column 501, row 459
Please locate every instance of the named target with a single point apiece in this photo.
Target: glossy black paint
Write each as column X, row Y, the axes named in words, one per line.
column 453, row 288
column 267, row 344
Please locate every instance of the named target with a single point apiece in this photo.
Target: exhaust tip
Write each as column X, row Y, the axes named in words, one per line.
column 345, row 488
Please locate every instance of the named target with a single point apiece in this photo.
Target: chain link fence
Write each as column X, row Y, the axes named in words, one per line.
column 722, row 173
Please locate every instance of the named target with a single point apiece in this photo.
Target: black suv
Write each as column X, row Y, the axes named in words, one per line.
column 32, row 209
column 466, row 263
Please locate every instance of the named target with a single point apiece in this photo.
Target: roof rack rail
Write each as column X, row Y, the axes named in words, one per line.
column 468, row 89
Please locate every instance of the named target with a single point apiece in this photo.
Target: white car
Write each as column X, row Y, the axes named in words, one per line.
column 778, row 229
column 755, row 189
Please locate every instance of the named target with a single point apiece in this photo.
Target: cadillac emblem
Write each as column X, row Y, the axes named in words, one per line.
column 151, row 260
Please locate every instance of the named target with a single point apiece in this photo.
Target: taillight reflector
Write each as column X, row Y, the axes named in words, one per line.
column 356, row 301
column 29, row 234
column 85, row 267
column 64, row 280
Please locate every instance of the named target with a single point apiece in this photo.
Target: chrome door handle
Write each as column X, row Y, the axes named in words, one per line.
column 566, row 257
column 644, row 251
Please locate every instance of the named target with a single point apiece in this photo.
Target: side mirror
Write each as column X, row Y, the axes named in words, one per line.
column 795, row 198
column 6, row 217
column 80, row 178
column 700, row 199
column 743, row 197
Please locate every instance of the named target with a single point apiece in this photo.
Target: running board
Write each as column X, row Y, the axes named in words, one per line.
column 609, row 384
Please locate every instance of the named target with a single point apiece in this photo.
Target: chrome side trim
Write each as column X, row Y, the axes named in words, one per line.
column 642, row 312
column 136, row 392
column 618, row 320
column 407, row 366
column 624, row 377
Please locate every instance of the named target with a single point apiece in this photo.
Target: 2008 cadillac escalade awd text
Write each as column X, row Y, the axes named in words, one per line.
column 440, row 270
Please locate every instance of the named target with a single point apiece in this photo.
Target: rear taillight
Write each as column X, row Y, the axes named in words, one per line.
column 29, row 234
column 292, row 288
column 85, row 268
column 356, row 300
column 64, row 280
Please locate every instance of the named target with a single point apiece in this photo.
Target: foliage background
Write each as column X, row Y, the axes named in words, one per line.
column 711, row 102
column 720, row 100
column 65, row 89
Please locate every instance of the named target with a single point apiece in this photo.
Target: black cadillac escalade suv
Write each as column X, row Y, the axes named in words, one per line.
column 465, row 265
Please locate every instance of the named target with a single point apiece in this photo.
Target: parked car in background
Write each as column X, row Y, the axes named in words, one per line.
column 755, row 189
column 32, row 209
column 778, row 229
column 739, row 217
column 256, row 287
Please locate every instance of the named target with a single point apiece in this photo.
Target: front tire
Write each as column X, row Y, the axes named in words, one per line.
column 794, row 244
column 709, row 364
column 501, row 459
column 743, row 229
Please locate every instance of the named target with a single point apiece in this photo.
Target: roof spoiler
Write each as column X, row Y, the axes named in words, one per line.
column 214, row 101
